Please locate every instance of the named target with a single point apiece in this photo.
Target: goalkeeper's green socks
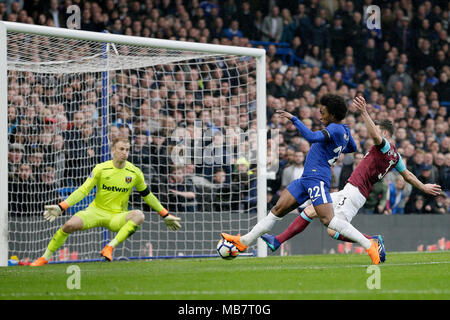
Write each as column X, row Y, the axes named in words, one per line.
column 57, row 241
column 127, row 230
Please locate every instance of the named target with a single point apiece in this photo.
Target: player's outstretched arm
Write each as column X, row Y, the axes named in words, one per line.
column 360, row 104
column 172, row 222
column 429, row 188
column 51, row 212
column 310, row 136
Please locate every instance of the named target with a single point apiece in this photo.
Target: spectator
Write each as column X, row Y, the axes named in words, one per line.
column 159, row 152
column 294, row 170
column 439, row 204
column 445, row 178
column 428, row 162
column 415, row 205
column 246, row 19
column 36, row 162
column 403, row 77
column 272, row 26
column 140, row 155
column 424, row 58
column 15, row 158
column 377, row 200
column 404, row 35
column 424, row 177
column 347, row 169
column 58, row 16
column 58, row 159
column 181, row 191
column 420, row 84
column 288, row 26
column 398, row 195
column 233, row 30
column 217, row 29
column 337, row 38
column 348, row 68
column 299, row 47
column 415, row 165
column 314, row 56
column 357, row 34
column 22, row 191
column 13, row 120
column 443, row 87
column 431, row 78
column 225, row 195
column 275, row 87
column 258, row 24
column 319, row 33
column 48, row 188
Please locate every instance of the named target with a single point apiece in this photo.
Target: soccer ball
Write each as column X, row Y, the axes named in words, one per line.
column 227, row 250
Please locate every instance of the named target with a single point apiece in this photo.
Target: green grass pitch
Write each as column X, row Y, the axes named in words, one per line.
column 403, row 276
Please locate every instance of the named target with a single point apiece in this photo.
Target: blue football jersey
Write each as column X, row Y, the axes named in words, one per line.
column 323, row 155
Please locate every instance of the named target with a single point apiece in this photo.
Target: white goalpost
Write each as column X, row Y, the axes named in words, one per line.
column 195, row 115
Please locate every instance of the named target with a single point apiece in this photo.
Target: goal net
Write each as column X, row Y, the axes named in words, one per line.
column 194, row 114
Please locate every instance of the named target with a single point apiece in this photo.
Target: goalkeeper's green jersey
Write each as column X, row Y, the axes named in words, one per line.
column 114, row 187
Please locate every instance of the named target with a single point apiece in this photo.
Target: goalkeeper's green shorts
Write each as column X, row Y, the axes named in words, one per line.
column 94, row 217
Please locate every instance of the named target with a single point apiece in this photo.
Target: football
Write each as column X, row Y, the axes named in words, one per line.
column 227, row 250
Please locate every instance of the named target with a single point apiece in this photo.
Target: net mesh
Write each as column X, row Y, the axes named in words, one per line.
column 191, row 120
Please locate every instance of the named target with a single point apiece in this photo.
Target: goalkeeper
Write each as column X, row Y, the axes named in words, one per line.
column 115, row 180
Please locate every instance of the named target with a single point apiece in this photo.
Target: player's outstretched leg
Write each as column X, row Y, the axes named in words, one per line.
column 350, row 232
column 327, row 217
column 285, row 204
column 133, row 220
column 297, row 225
column 73, row 224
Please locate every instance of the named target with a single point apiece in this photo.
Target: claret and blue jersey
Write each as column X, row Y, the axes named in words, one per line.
column 326, row 147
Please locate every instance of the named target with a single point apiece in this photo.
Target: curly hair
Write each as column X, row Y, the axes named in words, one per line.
column 335, row 105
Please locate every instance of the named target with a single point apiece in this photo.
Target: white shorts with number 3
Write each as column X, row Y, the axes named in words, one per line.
column 347, row 202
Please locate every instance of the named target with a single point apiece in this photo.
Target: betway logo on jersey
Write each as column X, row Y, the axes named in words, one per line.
column 114, row 188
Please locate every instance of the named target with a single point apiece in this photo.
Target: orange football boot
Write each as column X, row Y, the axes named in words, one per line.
column 373, row 252
column 107, row 253
column 236, row 240
column 39, row 262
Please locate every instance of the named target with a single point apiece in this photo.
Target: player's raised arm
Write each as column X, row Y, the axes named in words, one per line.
column 360, row 104
column 310, row 136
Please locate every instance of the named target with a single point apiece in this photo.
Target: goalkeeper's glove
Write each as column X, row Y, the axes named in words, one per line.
column 172, row 222
column 52, row 212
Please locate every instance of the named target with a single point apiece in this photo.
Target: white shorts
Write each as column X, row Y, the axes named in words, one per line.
column 347, row 202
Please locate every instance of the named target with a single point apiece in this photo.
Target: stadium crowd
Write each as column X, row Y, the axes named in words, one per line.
column 402, row 70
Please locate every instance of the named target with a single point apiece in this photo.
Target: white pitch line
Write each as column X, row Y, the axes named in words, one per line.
column 264, row 267
column 222, row 292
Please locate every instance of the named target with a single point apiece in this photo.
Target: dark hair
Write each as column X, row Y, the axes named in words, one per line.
column 386, row 125
column 335, row 105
